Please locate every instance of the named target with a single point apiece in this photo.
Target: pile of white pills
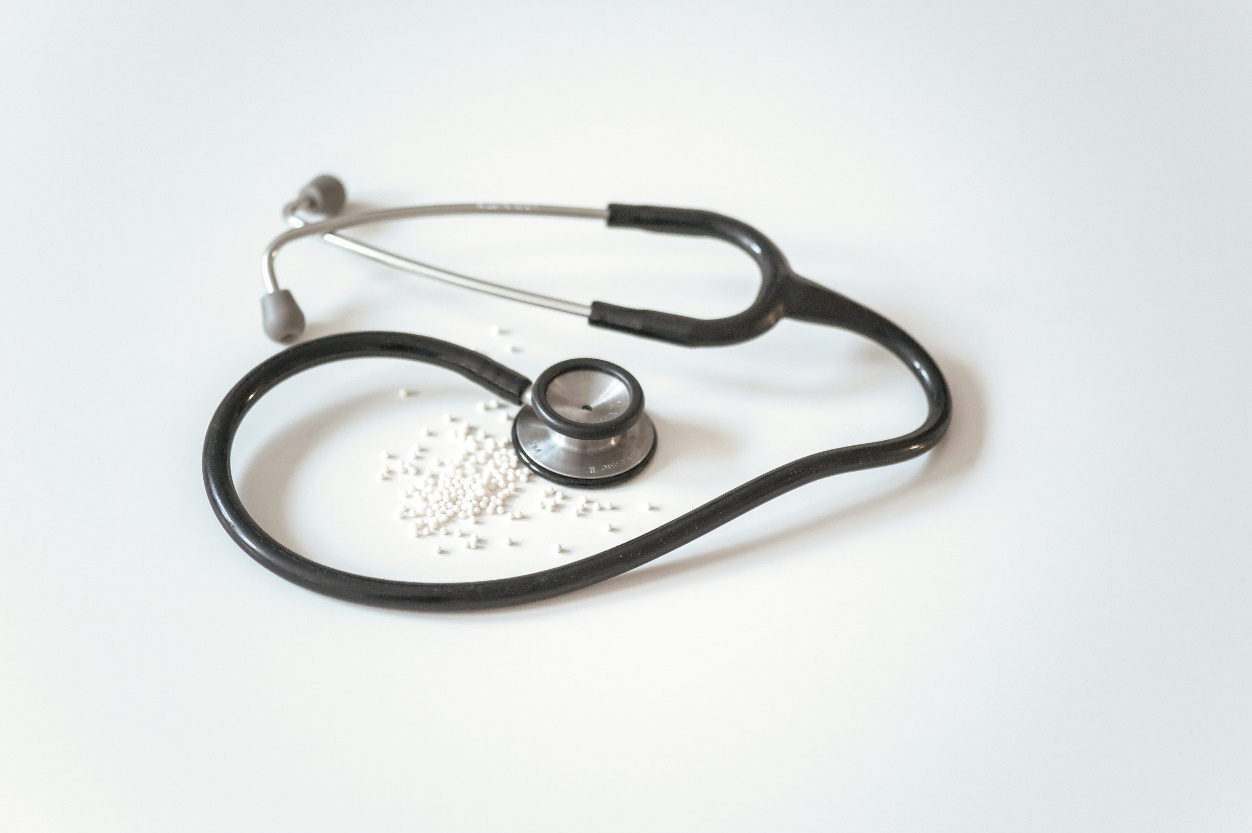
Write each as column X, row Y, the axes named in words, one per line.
column 477, row 481
column 443, row 495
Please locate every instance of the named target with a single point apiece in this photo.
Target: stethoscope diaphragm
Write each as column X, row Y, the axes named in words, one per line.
column 584, row 425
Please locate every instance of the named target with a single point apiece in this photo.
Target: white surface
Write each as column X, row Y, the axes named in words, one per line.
column 1045, row 627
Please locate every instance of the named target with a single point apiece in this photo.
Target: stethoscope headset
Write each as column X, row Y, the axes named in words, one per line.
column 557, row 434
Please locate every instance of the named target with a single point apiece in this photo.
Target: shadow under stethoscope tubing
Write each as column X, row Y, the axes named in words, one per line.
column 582, row 422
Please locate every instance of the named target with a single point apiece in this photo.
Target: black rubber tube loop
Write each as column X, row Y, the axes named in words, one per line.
column 820, row 305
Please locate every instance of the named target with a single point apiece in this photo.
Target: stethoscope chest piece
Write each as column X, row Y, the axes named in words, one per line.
column 584, row 425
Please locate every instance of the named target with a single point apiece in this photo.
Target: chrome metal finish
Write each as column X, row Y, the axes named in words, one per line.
column 589, row 462
column 329, row 231
column 583, row 425
column 588, row 396
column 584, row 446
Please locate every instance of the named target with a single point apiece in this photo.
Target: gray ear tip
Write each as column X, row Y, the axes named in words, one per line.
column 326, row 195
column 281, row 316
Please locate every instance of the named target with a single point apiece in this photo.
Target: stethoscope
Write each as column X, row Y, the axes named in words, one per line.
column 582, row 422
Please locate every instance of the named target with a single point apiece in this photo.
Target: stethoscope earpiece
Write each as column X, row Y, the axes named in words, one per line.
column 324, row 195
column 281, row 316
column 584, row 425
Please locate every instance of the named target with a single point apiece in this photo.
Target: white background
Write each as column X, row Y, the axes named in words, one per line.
column 1045, row 626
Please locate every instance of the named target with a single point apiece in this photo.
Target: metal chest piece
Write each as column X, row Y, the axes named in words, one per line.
column 584, row 426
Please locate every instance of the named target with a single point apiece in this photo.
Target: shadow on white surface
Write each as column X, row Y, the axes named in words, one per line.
column 267, row 477
column 346, row 317
column 944, row 469
column 679, row 439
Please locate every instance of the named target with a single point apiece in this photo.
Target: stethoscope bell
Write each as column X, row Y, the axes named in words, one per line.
column 584, row 425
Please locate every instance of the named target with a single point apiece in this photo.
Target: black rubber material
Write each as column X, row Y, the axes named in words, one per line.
column 578, row 482
column 220, row 438
column 586, row 430
column 782, row 294
column 766, row 310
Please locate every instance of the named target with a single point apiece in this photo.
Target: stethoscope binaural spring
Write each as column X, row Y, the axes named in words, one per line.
column 582, row 421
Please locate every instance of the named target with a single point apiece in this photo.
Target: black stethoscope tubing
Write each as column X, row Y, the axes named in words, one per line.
column 783, row 294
